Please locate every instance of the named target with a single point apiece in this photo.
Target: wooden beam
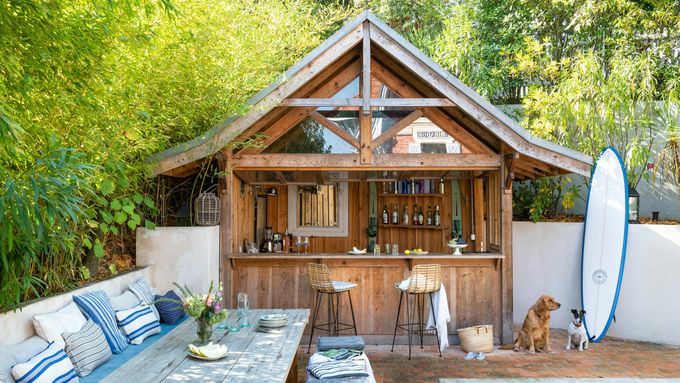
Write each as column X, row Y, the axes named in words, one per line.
column 365, row 135
column 506, row 266
column 360, row 102
column 474, row 109
column 510, row 161
column 394, row 130
column 226, row 133
column 226, row 195
column 480, row 223
column 366, row 69
column 333, row 127
column 353, row 162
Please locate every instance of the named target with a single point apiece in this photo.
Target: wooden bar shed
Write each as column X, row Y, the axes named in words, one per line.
column 366, row 124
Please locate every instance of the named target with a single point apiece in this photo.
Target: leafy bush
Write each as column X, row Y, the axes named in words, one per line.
column 539, row 199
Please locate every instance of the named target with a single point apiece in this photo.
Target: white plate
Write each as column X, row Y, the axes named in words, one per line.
column 191, row 354
column 273, row 324
column 355, row 253
column 274, row 317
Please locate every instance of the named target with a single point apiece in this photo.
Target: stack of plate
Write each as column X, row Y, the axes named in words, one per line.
column 273, row 320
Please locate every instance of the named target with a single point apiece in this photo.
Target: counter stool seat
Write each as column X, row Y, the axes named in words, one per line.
column 322, row 284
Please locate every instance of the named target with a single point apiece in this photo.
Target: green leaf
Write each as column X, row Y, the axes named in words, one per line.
column 87, row 243
column 138, row 198
column 129, row 209
column 92, row 224
column 132, row 224
column 104, row 228
column 115, row 204
column 84, row 272
column 120, row 217
column 149, row 225
column 114, row 230
column 123, row 182
column 107, row 217
column 113, row 269
column 98, row 249
column 107, row 187
column 149, row 203
column 136, row 218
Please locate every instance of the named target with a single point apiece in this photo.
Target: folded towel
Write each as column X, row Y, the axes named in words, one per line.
column 341, row 353
column 326, row 343
column 337, row 369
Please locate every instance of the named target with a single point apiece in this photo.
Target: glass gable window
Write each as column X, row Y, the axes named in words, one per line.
column 422, row 136
column 310, row 137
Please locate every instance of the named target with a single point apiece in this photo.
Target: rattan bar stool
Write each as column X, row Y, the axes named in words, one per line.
column 424, row 279
column 320, row 280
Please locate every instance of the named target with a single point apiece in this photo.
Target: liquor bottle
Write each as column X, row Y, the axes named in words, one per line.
column 437, row 216
column 404, row 217
column 386, row 216
column 421, row 218
column 415, row 214
column 429, row 215
column 395, row 215
column 441, row 186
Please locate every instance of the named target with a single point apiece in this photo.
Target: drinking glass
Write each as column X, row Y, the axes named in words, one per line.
column 395, row 249
column 298, row 243
column 305, row 243
column 243, row 306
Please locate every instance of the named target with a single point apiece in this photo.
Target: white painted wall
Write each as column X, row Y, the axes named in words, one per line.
column 186, row 255
column 547, row 260
column 15, row 327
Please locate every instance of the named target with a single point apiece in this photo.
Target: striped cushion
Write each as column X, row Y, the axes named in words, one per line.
column 51, row 365
column 337, row 369
column 169, row 307
column 87, row 348
column 142, row 290
column 138, row 323
column 96, row 306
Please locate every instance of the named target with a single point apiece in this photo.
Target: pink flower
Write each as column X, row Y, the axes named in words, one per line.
column 217, row 308
column 650, row 165
column 209, row 301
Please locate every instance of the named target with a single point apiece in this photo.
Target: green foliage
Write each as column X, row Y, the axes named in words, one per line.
column 539, row 199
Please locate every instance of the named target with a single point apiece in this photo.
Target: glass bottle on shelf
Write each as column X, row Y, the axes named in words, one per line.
column 385, row 216
column 421, row 218
column 441, row 186
column 429, row 215
column 404, row 216
column 415, row 214
column 437, row 216
column 395, row 215
column 412, row 187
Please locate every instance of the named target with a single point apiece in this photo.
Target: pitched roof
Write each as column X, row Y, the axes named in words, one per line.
column 221, row 134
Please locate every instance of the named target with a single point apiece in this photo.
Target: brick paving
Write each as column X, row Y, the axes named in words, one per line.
column 611, row 358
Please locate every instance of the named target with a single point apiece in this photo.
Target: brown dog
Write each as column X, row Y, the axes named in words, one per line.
column 535, row 332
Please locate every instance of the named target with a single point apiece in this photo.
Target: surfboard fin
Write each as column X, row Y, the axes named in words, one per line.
column 614, row 318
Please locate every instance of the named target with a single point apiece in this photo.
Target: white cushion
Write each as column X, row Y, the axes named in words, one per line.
column 50, row 326
column 28, row 348
column 7, row 360
column 124, row 301
column 343, row 286
column 49, row 366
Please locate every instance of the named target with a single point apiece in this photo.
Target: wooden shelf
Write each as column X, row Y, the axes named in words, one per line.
column 411, row 195
column 426, row 227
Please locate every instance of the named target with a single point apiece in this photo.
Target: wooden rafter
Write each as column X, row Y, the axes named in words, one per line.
column 365, row 121
column 510, row 164
column 374, row 102
column 333, row 127
column 396, row 128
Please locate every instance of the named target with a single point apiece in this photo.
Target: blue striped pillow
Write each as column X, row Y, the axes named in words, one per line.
column 169, row 307
column 142, row 290
column 96, row 306
column 51, row 365
column 138, row 323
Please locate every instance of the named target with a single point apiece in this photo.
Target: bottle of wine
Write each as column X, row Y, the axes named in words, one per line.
column 429, row 215
column 404, row 217
column 437, row 216
column 421, row 218
column 385, row 216
column 415, row 214
column 395, row 215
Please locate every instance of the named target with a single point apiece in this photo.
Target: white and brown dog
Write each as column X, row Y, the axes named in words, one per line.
column 577, row 331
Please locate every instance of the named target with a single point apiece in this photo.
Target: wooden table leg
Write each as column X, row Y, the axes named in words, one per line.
column 293, row 372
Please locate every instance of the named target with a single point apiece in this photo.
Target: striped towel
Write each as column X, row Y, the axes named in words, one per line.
column 341, row 354
column 337, row 369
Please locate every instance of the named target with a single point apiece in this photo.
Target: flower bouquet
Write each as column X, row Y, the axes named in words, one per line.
column 205, row 308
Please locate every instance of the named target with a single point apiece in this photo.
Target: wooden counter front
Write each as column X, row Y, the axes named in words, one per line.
column 472, row 283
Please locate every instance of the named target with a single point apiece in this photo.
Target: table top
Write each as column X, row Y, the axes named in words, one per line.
column 252, row 356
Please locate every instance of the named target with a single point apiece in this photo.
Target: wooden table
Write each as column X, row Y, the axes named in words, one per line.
column 252, row 357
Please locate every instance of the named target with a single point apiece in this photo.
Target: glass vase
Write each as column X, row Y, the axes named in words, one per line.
column 204, row 330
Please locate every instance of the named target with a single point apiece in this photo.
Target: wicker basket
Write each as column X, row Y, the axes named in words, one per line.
column 476, row 339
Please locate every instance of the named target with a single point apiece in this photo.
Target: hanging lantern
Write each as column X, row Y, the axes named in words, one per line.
column 633, row 205
column 207, row 208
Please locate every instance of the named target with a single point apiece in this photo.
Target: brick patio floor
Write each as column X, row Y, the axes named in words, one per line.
column 611, row 358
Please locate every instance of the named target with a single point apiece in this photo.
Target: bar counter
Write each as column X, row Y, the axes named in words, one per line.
column 279, row 280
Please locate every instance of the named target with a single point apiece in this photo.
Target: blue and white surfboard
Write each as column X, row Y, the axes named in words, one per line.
column 604, row 242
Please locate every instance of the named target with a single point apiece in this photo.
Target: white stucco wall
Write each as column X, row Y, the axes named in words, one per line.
column 547, row 260
column 186, row 255
column 15, row 327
